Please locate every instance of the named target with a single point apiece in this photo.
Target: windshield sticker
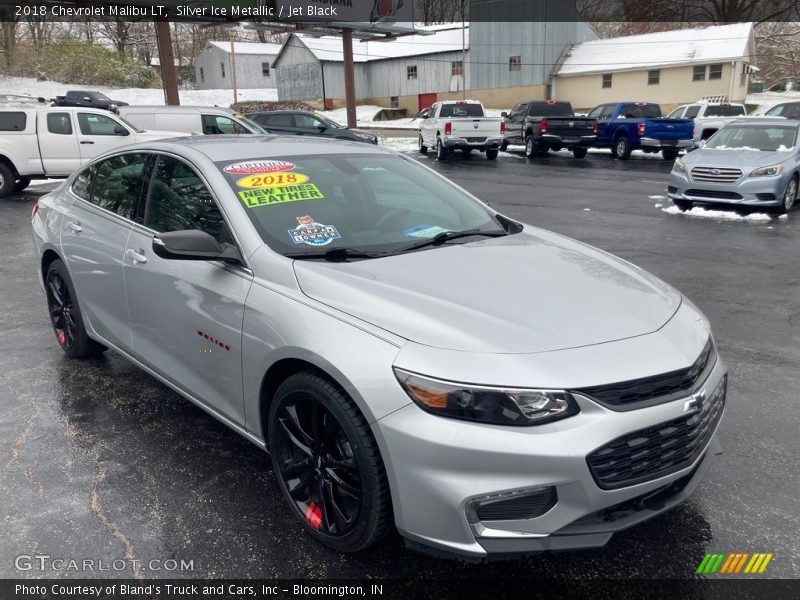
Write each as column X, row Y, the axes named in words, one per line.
column 255, row 167
column 424, row 231
column 280, row 195
column 271, row 180
column 312, row 233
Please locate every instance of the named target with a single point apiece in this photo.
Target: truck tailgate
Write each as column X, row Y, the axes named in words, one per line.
column 570, row 128
column 669, row 129
column 485, row 127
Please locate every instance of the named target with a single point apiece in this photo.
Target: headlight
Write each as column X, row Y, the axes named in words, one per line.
column 767, row 171
column 496, row 405
column 678, row 167
column 363, row 136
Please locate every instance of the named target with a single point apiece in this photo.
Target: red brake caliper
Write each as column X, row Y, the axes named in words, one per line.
column 62, row 338
column 314, row 515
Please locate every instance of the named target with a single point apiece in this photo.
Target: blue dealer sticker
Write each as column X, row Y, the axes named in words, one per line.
column 312, row 233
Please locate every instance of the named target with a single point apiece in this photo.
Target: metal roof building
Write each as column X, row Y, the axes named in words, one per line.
column 253, row 65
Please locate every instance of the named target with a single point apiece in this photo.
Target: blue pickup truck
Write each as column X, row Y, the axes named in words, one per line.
column 628, row 126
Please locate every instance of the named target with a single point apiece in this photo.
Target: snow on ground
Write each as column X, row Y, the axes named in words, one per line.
column 51, row 89
column 718, row 214
column 400, row 144
column 766, row 100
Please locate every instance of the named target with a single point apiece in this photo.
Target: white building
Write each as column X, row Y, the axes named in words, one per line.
column 253, row 65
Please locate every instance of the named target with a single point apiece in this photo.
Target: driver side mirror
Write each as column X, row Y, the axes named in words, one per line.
column 504, row 114
column 699, row 144
column 193, row 244
column 120, row 130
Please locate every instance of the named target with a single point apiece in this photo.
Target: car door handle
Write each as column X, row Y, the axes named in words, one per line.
column 76, row 227
column 137, row 256
column 87, row 142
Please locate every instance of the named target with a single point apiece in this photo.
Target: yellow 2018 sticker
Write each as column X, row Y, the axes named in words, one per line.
column 271, row 180
column 280, row 195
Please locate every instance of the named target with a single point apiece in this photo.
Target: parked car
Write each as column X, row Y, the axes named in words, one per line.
column 748, row 163
column 300, row 122
column 352, row 310
column 787, row 110
column 628, row 126
column 40, row 142
column 197, row 120
column 709, row 117
column 88, row 99
column 542, row 125
column 460, row 125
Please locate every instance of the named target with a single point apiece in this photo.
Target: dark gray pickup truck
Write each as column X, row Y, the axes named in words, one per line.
column 88, row 99
column 542, row 125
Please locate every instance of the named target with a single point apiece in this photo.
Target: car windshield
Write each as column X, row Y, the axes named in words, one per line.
column 364, row 203
column 754, row 137
column 330, row 123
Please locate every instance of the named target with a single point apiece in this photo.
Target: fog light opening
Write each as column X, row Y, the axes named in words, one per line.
column 515, row 505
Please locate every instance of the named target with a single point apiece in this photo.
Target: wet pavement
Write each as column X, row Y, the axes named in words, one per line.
column 98, row 461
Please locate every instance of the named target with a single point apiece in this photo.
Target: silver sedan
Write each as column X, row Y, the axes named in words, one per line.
column 748, row 163
column 408, row 356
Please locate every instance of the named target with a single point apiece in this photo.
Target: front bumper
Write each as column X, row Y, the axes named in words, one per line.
column 458, row 143
column 557, row 141
column 646, row 142
column 438, row 466
column 756, row 192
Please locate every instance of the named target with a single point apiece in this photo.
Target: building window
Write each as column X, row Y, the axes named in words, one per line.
column 607, row 80
column 411, row 72
column 457, row 68
column 222, row 69
column 743, row 78
column 265, row 69
column 715, row 71
column 699, row 73
column 515, row 63
column 202, row 75
column 394, row 102
column 653, row 77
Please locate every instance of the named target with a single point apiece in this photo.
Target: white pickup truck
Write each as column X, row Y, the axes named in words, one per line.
column 41, row 142
column 709, row 117
column 462, row 125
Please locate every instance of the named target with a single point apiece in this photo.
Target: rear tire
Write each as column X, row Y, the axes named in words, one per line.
column 579, row 152
column 65, row 314
column 491, row 154
column 504, row 146
column 7, row 180
column 622, row 148
column 669, row 153
column 328, row 464
column 442, row 153
column 531, row 151
column 21, row 184
column 423, row 149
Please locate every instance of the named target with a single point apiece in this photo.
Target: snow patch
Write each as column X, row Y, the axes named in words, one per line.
column 718, row 214
column 656, row 197
column 657, row 205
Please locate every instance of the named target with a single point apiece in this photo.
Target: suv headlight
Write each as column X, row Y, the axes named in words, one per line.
column 495, row 405
column 767, row 171
column 678, row 167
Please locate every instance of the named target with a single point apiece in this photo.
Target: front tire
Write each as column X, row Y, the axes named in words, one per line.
column 491, row 154
column 328, row 464
column 441, row 152
column 669, row 153
column 7, row 180
column 65, row 314
column 423, row 149
column 579, row 152
column 789, row 196
column 622, row 148
column 21, row 184
column 683, row 205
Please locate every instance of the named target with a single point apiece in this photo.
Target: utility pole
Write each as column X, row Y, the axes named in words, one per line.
column 463, row 52
column 167, row 59
column 233, row 72
column 349, row 77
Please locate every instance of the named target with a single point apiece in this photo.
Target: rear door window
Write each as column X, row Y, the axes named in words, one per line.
column 692, row 112
column 82, row 186
column 13, row 121
column 59, row 123
column 219, row 125
column 118, row 183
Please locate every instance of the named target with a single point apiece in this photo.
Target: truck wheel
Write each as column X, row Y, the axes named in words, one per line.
column 579, row 152
column 504, row 146
column 6, row 180
column 531, row 151
column 669, row 153
column 423, row 149
column 22, row 183
column 491, row 154
column 441, row 152
column 622, row 148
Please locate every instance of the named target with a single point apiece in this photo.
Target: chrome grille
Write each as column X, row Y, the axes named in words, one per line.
column 716, row 174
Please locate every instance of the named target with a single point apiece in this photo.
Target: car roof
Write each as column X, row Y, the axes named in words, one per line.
column 766, row 121
column 785, row 104
column 283, row 111
column 177, row 108
column 219, row 148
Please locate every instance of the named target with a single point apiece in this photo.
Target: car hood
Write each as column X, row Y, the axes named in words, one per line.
column 531, row 292
column 735, row 158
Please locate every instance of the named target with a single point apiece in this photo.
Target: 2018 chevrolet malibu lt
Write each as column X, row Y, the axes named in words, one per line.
column 407, row 355
column 753, row 163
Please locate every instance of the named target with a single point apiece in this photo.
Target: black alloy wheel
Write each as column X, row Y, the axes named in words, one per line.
column 328, row 463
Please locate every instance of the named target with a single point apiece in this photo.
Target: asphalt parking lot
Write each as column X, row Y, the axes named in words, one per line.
column 100, row 461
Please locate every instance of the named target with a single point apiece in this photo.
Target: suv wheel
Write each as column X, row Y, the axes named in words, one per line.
column 622, row 148
column 789, row 196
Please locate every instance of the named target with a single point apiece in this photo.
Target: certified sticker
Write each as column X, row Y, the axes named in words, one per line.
column 312, row 233
column 255, row 167
column 271, row 180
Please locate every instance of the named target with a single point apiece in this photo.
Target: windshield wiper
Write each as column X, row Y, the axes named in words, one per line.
column 334, row 254
column 446, row 236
